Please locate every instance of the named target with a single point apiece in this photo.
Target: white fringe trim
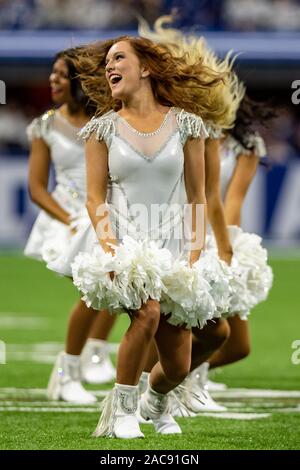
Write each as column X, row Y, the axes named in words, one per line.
column 107, row 417
column 190, row 125
column 103, row 127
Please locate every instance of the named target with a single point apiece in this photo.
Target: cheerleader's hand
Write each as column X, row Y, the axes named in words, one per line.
column 78, row 221
column 194, row 256
column 109, row 248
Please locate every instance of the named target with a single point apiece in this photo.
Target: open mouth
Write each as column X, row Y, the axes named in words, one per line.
column 114, row 79
column 56, row 90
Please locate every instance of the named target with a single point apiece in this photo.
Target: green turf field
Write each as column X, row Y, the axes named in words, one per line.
column 34, row 306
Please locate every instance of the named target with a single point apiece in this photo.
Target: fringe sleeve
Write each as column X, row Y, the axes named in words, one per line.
column 190, row 125
column 33, row 130
column 103, row 127
column 213, row 131
column 39, row 128
column 257, row 143
column 254, row 143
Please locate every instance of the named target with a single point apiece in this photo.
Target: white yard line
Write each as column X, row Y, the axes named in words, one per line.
column 48, row 410
column 31, row 357
column 42, row 353
column 18, row 400
column 57, row 404
column 226, row 394
column 46, row 347
column 256, row 393
column 240, row 416
column 41, row 392
column 14, row 320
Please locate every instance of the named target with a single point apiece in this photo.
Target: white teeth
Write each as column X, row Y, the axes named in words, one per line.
column 113, row 77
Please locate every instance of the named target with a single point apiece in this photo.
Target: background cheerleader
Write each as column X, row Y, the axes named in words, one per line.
column 54, row 139
column 242, row 150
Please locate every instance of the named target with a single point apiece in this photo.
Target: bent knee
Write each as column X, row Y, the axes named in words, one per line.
column 243, row 352
column 149, row 316
column 215, row 333
column 177, row 373
column 222, row 331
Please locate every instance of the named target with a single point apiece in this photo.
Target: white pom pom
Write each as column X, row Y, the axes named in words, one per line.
column 218, row 274
column 90, row 276
column 139, row 267
column 250, row 268
column 188, row 297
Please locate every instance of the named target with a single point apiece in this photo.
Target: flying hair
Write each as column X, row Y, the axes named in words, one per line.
column 226, row 96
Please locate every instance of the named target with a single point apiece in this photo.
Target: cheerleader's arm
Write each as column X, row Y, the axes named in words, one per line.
column 215, row 207
column 194, row 174
column 97, row 179
column 39, row 165
column 243, row 175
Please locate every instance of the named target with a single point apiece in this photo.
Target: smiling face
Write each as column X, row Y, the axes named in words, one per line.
column 60, row 83
column 124, row 71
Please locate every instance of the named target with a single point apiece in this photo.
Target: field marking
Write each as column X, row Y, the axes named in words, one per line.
column 50, row 346
column 18, row 400
column 46, row 347
column 46, row 402
column 256, row 393
column 31, row 357
column 15, row 321
column 95, row 409
column 229, row 393
column 41, row 353
column 49, row 410
column 40, row 392
column 240, row 416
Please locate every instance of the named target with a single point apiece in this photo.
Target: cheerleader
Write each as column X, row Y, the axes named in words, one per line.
column 143, row 148
column 54, row 139
column 226, row 98
column 242, row 150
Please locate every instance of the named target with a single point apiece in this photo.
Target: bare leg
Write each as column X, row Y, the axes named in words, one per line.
column 152, row 357
column 102, row 325
column 204, row 343
column 175, row 346
column 208, row 340
column 237, row 346
column 80, row 322
column 135, row 344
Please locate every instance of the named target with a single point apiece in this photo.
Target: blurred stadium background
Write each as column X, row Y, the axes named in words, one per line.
column 267, row 35
column 265, row 32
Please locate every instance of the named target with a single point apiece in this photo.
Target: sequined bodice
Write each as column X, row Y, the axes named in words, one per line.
column 146, row 190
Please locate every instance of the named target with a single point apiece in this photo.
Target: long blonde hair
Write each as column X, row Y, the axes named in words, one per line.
column 227, row 94
column 175, row 81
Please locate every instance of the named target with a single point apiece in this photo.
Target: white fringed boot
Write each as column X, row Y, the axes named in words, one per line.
column 212, row 386
column 142, row 387
column 96, row 366
column 64, row 383
column 143, row 382
column 156, row 406
column 118, row 418
column 200, row 399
